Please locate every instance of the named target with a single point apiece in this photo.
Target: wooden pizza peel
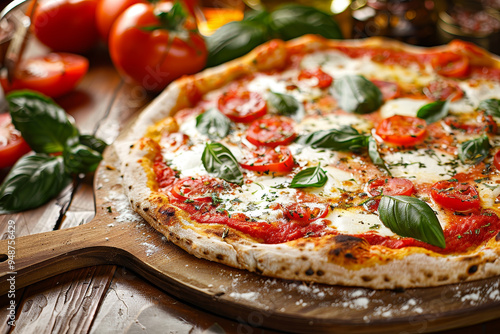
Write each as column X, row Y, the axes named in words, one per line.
column 118, row 236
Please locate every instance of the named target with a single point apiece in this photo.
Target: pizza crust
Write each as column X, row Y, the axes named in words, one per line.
column 336, row 260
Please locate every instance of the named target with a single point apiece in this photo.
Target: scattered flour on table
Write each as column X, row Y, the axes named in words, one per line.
column 150, row 248
column 122, row 205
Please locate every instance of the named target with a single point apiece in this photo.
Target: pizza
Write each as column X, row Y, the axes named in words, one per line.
column 362, row 163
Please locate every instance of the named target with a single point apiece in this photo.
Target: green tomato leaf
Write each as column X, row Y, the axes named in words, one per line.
column 434, row 111
column 375, row 155
column 357, row 94
column 410, row 217
column 491, row 106
column 291, row 21
column 81, row 159
column 42, row 123
column 475, row 150
column 33, row 181
column 213, row 123
column 234, row 40
column 220, row 162
column 94, row 143
column 286, row 105
column 309, row 177
column 344, row 139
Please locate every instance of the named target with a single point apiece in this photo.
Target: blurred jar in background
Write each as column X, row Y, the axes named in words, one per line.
column 212, row 14
column 473, row 21
column 410, row 21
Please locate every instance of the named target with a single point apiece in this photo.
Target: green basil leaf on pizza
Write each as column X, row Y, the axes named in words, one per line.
column 475, row 150
column 434, row 111
column 490, row 106
column 220, row 162
column 213, row 124
column 309, row 177
column 357, row 94
column 286, row 105
column 345, row 138
column 374, row 155
column 410, row 217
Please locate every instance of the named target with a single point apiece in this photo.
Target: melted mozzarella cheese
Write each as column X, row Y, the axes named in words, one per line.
column 352, row 222
column 423, row 165
column 402, row 106
column 332, row 121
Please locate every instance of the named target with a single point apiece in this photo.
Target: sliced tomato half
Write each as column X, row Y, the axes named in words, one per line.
column 305, row 213
column 268, row 160
column 451, row 65
column 441, row 90
column 53, row 75
column 196, row 189
column 391, row 186
column 12, row 145
column 271, row 131
column 402, row 130
column 456, row 196
column 324, row 79
column 242, row 106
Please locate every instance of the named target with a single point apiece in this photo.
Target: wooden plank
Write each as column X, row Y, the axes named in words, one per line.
column 65, row 303
column 134, row 306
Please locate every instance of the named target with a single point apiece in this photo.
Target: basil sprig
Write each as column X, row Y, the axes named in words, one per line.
column 309, row 177
column 491, row 106
column 42, row 123
column 286, row 105
column 37, row 178
column 410, row 217
column 357, row 94
column 475, row 150
column 220, row 162
column 237, row 38
column 33, row 180
column 213, row 123
column 345, row 138
column 434, row 111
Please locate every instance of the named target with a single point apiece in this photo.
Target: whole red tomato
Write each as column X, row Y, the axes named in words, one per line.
column 154, row 44
column 107, row 13
column 66, row 25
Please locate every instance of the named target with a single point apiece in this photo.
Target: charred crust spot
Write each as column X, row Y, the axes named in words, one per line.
column 132, row 146
column 168, row 211
column 129, row 187
column 442, row 278
column 472, row 269
column 428, row 274
column 386, row 278
column 320, row 273
column 304, row 258
column 497, row 238
column 138, row 205
column 347, row 239
column 126, row 165
column 283, row 268
column 205, row 252
column 366, row 278
column 219, row 257
column 309, row 272
column 145, row 209
column 188, row 242
column 350, row 256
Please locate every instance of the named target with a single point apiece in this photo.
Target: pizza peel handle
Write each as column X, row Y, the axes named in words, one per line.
column 32, row 258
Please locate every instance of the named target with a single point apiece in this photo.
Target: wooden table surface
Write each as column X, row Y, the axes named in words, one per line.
column 109, row 299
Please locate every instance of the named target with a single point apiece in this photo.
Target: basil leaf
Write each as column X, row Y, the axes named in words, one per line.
column 213, row 123
column 233, row 40
column 42, row 123
column 344, row 139
column 434, row 111
column 81, row 159
column 410, row 217
column 94, row 143
column 220, row 162
column 491, row 106
column 475, row 150
column 309, row 177
column 286, row 105
column 293, row 20
column 375, row 155
column 32, row 181
column 357, row 94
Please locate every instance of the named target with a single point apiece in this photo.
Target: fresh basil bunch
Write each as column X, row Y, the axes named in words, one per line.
column 237, row 38
column 60, row 151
